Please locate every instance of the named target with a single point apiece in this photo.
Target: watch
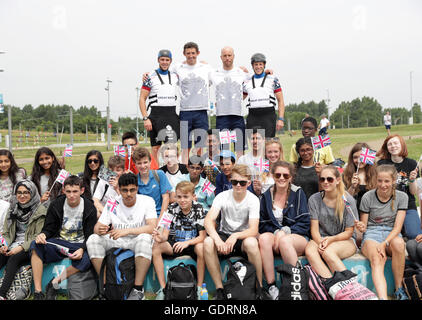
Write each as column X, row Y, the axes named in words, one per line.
column 281, row 118
column 144, row 118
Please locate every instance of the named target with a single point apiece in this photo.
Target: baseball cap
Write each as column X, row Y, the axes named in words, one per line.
column 164, row 53
column 227, row 154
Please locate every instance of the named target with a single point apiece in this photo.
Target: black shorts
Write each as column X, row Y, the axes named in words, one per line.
column 165, row 125
column 189, row 251
column 265, row 118
column 237, row 249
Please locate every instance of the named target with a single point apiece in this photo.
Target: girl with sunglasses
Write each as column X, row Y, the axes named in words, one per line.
column 93, row 162
column 23, row 223
column 45, row 170
column 307, row 170
column 284, row 222
column 273, row 153
column 394, row 151
column 10, row 173
column 383, row 211
column 332, row 225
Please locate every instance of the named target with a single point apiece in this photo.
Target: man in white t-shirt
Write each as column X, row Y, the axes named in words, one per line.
column 236, row 234
column 257, row 139
column 228, row 83
column 387, row 122
column 127, row 222
column 323, row 125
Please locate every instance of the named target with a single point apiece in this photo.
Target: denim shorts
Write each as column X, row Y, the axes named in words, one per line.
column 377, row 233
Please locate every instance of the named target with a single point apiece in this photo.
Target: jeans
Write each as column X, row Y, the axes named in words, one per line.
column 412, row 224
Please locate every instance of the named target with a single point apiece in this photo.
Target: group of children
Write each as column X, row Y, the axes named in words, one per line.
column 219, row 206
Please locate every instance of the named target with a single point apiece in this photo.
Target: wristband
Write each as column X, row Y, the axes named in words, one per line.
column 281, row 118
column 411, row 181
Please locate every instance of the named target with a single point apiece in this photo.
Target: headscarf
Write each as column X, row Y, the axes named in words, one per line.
column 22, row 212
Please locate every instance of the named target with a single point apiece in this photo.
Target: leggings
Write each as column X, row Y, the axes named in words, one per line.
column 414, row 249
column 13, row 263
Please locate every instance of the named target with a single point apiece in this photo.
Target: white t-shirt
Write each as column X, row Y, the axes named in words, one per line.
column 194, row 85
column 129, row 217
column 235, row 216
column 162, row 95
column 387, row 120
column 99, row 192
column 324, row 122
column 228, row 90
column 249, row 160
column 72, row 229
column 4, row 208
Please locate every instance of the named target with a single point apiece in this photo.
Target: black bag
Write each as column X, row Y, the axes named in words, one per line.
column 241, row 282
column 412, row 282
column 181, row 283
column 83, row 285
column 119, row 265
column 294, row 282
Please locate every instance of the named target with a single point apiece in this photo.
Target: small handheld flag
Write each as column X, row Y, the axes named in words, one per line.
column 263, row 165
column 119, row 150
column 348, row 207
column 320, row 142
column 208, row 187
column 63, row 250
column 3, row 241
column 68, row 150
column 367, row 156
column 213, row 165
column 227, row 136
column 63, row 175
column 112, row 205
column 165, row 221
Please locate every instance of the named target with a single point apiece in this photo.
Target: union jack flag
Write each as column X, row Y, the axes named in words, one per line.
column 227, row 136
column 112, row 205
column 367, row 156
column 129, row 151
column 63, row 175
column 166, row 220
column 3, row 241
column 320, row 142
column 208, row 187
column 68, row 150
column 119, row 151
column 263, row 165
column 348, row 207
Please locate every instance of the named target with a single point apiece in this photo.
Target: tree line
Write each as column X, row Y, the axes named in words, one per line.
column 360, row 112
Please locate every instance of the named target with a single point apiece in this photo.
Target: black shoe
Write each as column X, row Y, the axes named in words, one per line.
column 39, row 295
column 220, row 295
column 50, row 291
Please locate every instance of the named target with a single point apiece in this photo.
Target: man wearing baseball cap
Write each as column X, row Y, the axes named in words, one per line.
column 160, row 88
column 264, row 94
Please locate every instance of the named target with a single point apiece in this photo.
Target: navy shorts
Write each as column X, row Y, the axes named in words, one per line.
column 189, row 251
column 232, row 122
column 237, row 249
column 388, row 126
column 49, row 253
column 189, row 121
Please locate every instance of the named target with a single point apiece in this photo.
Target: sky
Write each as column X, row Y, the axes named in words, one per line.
column 63, row 51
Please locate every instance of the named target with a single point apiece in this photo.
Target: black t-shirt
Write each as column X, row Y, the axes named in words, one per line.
column 403, row 168
column 307, row 179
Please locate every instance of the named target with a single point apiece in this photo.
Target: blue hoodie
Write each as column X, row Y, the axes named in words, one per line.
column 296, row 215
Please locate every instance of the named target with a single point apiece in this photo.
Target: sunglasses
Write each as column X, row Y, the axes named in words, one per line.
column 93, row 160
column 285, row 175
column 329, row 179
column 236, row 182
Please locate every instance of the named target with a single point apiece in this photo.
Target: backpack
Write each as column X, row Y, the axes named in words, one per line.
column 317, row 289
column 241, row 282
column 181, row 283
column 82, row 285
column 119, row 265
column 345, row 286
column 294, row 282
column 412, row 282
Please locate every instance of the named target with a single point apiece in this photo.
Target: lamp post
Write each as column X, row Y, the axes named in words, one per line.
column 137, row 113
column 108, row 114
column 9, row 119
column 411, row 97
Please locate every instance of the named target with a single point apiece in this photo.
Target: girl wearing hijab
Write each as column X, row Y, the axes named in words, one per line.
column 22, row 224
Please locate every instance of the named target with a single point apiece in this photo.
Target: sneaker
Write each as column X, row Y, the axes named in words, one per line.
column 2, row 298
column 50, row 291
column 273, row 291
column 198, row 292
column 136, row 295
column 39, row 295
column 400, row 294
column 220, row 295
column 160, row 294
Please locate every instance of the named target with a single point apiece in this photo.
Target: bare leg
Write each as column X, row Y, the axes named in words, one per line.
column 337, row 251
column 316, row 261
column 37, row 270
column 157, row 260
column 141, row 266
column 266, row 247
column 397, row 251
column 200, row 262
column 369, row 250
column 212, row 262
column 290, row 246
column 250, row 246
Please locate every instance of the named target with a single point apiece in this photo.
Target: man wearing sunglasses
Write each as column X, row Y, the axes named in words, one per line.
column 238, row 210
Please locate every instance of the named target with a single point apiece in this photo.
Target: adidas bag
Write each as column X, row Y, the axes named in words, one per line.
column 119, row 265
column 317, row 289
column 412, row 283
column 181, row 283
column 241, row 282
column 294, row 282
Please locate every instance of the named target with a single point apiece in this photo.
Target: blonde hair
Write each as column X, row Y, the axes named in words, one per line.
column 168, row 146
column 391, row 169
column 186, row 187
column 242, row 170
column 339, row 210
column 268, row 142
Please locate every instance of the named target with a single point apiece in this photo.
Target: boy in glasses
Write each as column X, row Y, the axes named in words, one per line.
column 130, row 139
column 107, row 190
column 127, row 223
column 238, row 211
column 68, row 224
column 184, row 237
